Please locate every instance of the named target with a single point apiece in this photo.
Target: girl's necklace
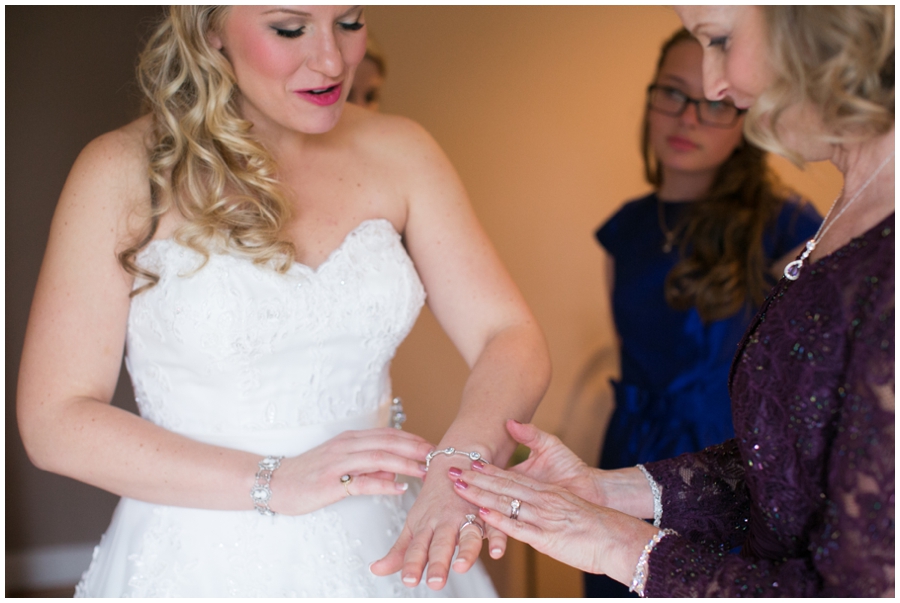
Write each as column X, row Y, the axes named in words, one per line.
column 792, row 270
column 669, row 235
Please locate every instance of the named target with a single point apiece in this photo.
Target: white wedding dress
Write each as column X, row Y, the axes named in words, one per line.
column 237, row 355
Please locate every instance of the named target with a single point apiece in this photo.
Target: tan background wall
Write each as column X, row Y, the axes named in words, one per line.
column 537, row 107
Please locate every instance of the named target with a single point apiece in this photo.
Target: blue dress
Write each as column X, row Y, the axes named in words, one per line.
column 673, row 394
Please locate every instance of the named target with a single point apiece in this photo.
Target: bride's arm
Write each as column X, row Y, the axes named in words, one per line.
column 479, row 306
column 72, row 357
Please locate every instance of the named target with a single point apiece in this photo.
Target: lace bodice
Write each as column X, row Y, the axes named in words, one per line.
column 807, row 485
column 236, row 347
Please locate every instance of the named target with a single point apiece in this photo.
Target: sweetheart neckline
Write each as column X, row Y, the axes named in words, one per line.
column 296, row 263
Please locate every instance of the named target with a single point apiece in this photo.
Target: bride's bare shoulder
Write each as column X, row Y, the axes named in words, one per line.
column 109, row 179
column 392, row 138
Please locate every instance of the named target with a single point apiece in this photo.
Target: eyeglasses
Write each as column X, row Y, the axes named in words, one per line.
column 672, row 101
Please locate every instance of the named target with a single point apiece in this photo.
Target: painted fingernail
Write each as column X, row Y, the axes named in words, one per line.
column 402, row 486
column 484, row 511
column 477, row 465
column 423, row 468
column 370, row 568
column 454, row 471
column 434, row 579
column 461, row 484
column 409, row 580
column 496, row 553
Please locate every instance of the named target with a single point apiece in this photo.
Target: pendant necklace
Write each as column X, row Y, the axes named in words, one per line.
column 669, row 242
column 792, row 270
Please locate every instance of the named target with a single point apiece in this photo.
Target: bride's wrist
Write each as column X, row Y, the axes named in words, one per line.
column 461, row 457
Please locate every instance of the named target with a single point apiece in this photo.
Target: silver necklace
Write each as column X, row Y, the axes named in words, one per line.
column 792, row 270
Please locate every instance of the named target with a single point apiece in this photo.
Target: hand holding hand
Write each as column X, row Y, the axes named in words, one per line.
column 555, row 521
column 551, row 462
column 371, row 457
column 432, row 532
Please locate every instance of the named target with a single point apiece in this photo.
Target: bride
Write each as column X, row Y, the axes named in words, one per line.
column 259, row 249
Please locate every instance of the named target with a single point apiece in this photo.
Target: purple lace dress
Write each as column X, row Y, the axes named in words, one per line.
column 807, row 485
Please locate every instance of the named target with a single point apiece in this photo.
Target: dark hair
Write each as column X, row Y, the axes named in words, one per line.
column 722, row 265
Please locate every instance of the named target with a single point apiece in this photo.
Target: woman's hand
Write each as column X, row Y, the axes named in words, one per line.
column 555, row 521
column 372, row 457
column 432, row 532
column 551, row 462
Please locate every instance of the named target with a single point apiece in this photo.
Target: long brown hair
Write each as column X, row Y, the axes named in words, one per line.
column 722, row 264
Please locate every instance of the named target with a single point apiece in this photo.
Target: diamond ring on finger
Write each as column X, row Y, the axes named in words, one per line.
column 514, row 507
column 470, row 521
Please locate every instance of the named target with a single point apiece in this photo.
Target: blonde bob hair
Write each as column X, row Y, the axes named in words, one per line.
column 202, row 158
column 839, row 59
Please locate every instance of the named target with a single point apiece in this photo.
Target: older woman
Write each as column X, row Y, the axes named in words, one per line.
column 807, row 485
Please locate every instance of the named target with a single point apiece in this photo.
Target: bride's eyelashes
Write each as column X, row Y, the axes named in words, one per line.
column 296, row 33
column 289, row 33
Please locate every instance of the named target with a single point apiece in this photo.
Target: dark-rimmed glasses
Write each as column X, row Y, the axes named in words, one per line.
column 673, row 102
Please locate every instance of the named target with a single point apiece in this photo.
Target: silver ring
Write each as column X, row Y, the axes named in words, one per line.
column 514, row 507
column 346, row 479
column 470, row 521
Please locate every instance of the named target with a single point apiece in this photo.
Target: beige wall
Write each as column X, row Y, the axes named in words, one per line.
column 538, row 108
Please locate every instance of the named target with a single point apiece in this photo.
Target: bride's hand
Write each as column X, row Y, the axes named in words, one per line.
column 432, row 532
column 371, row 457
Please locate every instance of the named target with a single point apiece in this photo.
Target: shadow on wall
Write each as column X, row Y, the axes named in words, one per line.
column 69, row 78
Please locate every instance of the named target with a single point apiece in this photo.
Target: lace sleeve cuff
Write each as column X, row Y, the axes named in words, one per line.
column 639, row 580
column 657, row 496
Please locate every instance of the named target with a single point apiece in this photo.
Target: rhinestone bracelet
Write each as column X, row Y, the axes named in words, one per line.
column 657, row 496
column 639, row 580
column 260, row 493
column 473, row 456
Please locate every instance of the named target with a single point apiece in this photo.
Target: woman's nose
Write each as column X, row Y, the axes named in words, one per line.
column 715, row 86
column 326, row 57
column 691, row 114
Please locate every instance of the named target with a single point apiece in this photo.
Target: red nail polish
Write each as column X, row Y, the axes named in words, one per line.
column 454, row 471
column 484, row 511
column 477, row 465
column 461, row 484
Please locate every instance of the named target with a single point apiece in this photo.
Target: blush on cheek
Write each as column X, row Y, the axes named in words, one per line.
column 354, row 51
column 255, row 50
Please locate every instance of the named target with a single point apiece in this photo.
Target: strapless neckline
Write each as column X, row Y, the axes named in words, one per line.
column 297, row 265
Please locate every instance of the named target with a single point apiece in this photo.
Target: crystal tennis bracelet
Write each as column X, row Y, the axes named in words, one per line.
column 657, row 496
column 639, row 580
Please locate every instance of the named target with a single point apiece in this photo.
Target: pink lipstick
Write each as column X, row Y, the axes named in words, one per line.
column 681, row 144
column 321, row 96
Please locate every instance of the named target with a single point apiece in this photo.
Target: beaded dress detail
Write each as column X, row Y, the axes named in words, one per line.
column 807, row 484
column 238, row 355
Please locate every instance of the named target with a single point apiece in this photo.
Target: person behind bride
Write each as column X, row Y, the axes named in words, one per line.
column 806, row 487
column 259, row 249
column 369, row 77
column 688, row 265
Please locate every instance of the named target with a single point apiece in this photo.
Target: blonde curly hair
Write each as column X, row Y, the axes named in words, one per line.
column 840, row 59
column 202, row 158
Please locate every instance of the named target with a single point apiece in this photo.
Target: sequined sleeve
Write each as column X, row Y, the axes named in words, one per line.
column 704, row 497
column 845, row 545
